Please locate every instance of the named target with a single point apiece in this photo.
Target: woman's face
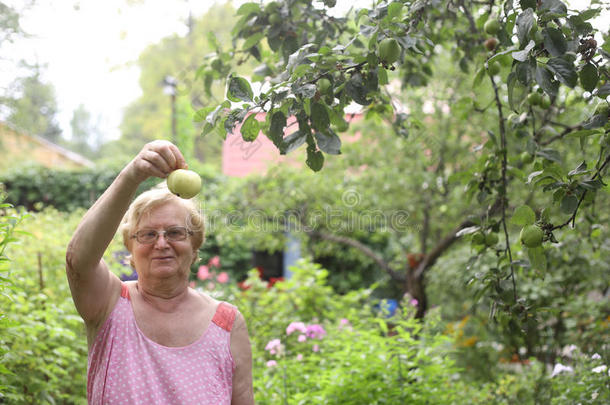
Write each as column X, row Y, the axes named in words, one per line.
column 163, row 258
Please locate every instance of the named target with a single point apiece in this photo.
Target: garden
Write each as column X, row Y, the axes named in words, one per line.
column 453, row 229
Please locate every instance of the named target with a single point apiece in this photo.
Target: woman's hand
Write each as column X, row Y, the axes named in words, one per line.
column 158, row 159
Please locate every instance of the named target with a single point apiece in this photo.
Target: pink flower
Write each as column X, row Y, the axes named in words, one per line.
column 315, row 331
column 414, row 302
column 271, row 363
column 299, row 357
column 203, row 273
column 344, row 323
column 222, row 277
column 214, row 261
column 315, row 348
column 273, row 344
column 296, row 326
column 302, row 338
column 210, row 286
column 192, row 284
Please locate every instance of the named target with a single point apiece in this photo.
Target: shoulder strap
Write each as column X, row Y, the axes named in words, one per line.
column 125, row 291
column 225, row 316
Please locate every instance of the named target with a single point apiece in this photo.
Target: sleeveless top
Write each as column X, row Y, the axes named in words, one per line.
column 126, row 367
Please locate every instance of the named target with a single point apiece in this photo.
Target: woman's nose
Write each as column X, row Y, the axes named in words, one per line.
column 161, row 241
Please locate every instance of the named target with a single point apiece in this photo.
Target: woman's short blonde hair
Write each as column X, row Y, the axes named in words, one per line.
column 156, row 197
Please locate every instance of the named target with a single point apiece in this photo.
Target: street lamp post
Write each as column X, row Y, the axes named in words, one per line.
column 169, row 87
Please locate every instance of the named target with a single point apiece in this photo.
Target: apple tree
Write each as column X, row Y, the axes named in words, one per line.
column 538, row 72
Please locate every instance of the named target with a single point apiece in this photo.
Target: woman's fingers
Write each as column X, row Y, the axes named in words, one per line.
column 179, row 162
column 158, row 159
column 164, row 156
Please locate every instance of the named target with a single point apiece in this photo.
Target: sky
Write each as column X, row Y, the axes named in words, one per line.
column 90, row 48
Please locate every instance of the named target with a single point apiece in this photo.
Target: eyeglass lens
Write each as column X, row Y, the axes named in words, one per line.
column 172, row 234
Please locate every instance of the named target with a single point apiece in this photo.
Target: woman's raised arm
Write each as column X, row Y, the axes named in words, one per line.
column 94, row 288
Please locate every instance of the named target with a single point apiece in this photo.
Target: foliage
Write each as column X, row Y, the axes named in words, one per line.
column 149, row 117
column 352, row 353
column 44, row 341
column 532, row 105
column 392, row 359
column 86, row 137
column 32, row 107
column 9, row 220
column 35, row 187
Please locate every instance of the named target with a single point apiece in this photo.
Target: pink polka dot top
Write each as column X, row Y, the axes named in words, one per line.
column 126, row 367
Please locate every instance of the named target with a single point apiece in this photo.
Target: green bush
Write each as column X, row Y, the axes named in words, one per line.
column 44, row 342
column 35, row 187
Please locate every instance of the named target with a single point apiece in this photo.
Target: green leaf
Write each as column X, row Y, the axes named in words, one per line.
column 356, row 89
column 581, row 169
column 590, row 13
column 525, row 22
column 555, row 7
column 569, row 204
column 394, row 9
column 276, row 129
column 248, row 8
column 604, row 90
column 523, row 215
column 522, row 56
column 201, row 114
column 319, row 117
column 596, row 121
column 554, row 41
column 307, row 90
column 537, row 259
column 239, row 89
column 328, row 142
column 250, row 128
column 382, row 76
column 315, row 159
column 544, row 78
column 478, row 78
column 292, row 141
column 564, row 70
column 253, row 40
column 527, row 4
column 589, row 77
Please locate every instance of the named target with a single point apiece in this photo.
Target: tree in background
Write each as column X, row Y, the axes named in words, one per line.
column 86, row 137
column 149, row 117
column 32, row 106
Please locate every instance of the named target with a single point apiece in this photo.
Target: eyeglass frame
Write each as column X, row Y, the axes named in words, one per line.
column 164, row 233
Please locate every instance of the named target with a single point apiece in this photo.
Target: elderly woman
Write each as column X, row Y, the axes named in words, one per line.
column 154, row 340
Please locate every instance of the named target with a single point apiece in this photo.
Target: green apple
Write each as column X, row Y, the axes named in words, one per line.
column 531, row 236
column 492, row 26
column 491, row 239
column 184, row 183
column 389, row 50
column 494, row 68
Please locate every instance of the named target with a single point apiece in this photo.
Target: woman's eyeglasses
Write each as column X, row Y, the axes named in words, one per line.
column 173, row 234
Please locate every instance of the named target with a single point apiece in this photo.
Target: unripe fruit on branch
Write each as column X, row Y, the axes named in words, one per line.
column 184, row 183
column 534, row 98
column 478, row 238
column 491, row 239
column 492, row 26
column 531, row 236
column 324, row 85
column 491, row 43
column 389, row 50
column 494, row 68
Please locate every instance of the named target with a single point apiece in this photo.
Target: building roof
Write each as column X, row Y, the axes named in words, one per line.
column 18, row 148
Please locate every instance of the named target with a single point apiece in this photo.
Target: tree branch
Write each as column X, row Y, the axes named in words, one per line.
column 361, row 247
